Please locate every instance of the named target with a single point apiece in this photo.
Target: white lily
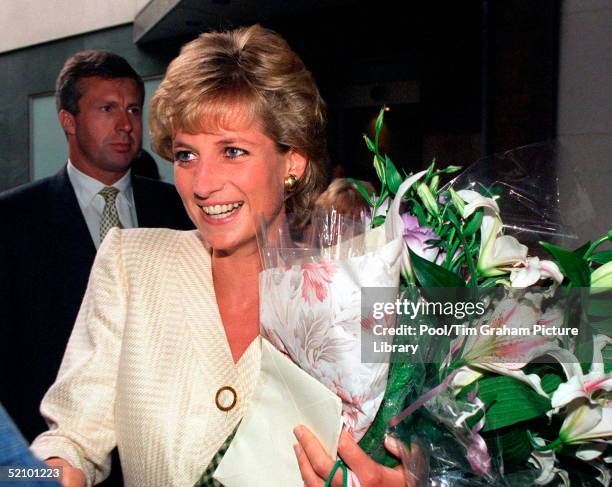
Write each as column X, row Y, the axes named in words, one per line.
column 601, row 278
column 394, row 226
column 534, row 269
column 498, row 253
column 583, row 386
column 545, row 462
column 586, row 423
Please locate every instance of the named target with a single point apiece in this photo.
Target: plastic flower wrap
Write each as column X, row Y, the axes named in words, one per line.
column 310, row 305
column 497, row 407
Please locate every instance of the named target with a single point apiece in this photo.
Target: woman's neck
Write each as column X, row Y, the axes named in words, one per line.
column 236, row 282
column 236, row 272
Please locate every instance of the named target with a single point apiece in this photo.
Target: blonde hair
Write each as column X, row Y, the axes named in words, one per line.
column 344, row 197
column 249, row 72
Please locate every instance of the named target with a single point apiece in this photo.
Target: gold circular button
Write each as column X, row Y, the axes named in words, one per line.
column 224, row 394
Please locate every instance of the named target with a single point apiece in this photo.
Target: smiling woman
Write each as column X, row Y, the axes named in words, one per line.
column 163, row 360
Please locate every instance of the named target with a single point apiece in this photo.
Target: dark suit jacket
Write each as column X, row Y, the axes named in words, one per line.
column 46, row 253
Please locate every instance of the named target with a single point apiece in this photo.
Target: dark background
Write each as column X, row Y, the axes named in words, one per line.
column 462, row 79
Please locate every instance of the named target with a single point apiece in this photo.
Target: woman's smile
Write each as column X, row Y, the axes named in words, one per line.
column 221, row 212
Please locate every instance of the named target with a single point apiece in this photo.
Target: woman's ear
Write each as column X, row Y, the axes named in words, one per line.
column 66, row 120
column 296, row 163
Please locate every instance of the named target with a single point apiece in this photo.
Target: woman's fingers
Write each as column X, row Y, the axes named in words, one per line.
column 310, row 478
column 315, row 464
column 370, row 473
column 71, row 476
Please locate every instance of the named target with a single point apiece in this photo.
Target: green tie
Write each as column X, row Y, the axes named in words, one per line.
column 110, row 217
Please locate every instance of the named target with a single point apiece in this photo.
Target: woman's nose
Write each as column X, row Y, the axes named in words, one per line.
column 208, row 179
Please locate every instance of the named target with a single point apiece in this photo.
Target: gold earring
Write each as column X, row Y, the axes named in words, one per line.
column 290, row 182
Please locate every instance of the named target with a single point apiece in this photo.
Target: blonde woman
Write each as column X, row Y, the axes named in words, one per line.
column 163, row 358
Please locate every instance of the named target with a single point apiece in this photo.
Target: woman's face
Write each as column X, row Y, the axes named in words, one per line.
column 227, row 178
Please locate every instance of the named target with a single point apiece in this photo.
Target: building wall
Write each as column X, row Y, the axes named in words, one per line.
column 33, row 70
column 21, row 26
column 585, row 115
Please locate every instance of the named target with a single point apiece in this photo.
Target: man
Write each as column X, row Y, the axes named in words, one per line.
column 52, row 228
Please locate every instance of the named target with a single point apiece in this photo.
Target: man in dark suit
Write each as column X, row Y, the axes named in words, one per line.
column 52, row 228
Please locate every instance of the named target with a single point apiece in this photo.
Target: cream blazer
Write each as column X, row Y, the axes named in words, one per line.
column 144, row 363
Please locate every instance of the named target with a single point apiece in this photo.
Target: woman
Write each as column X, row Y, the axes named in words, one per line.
column 163, row 358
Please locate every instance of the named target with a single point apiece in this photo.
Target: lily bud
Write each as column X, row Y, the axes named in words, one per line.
column 601, row 278
column 428, row 199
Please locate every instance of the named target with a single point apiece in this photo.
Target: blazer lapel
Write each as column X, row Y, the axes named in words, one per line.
column 199, row 302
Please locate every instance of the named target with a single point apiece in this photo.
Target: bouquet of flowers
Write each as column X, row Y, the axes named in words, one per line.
column 519, row 392
column 494, row 391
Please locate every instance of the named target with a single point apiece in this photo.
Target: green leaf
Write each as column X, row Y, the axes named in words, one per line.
column 393, row 177
column 513, row 444
column 370, row 144
column 501, row 395
column 473, row 223
column 419, row 212
column 360, row 188
column 379, row 123
column 380, row 171
column 378, row 221
column 603, row 327
column 451, row 169
column 600, row 307
column 572, row 265
column 431, row 275
column 607, row 358
column 453, row 219
column 580, row 251
column 550, row 382
column 602, row 257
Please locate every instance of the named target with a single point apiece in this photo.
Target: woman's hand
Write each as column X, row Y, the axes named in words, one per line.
column 315, row 464
column 71, row 476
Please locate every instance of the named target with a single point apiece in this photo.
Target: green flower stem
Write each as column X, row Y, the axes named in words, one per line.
column 469, row 261
column 607, row 237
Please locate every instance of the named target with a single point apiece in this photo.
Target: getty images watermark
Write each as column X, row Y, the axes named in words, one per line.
column 417, row 325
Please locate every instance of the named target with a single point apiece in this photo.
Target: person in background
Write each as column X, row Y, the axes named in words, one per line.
column 51, row 228
column 144, row 165
column 345, row 198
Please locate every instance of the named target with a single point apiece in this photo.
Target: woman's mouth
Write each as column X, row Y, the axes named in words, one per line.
column 220, row 212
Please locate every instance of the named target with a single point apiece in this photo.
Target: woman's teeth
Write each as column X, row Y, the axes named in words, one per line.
column 220, row 211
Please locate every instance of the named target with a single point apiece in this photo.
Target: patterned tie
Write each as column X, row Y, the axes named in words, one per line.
column 110, row 217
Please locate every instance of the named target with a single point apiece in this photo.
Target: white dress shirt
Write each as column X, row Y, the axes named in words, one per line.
column 92, row 203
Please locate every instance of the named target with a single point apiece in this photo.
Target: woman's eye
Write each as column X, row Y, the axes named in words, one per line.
column 233, row 152
column 184, row 156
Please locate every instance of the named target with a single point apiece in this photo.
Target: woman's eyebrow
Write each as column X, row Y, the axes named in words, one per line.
column 180, row 143
column 234, row 140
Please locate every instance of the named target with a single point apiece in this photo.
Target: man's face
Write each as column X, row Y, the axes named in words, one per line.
column 106, row 134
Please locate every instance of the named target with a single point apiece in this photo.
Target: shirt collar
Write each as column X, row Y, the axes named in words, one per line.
column 87, row 188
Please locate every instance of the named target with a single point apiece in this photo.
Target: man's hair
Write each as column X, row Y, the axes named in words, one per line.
column 86, row 64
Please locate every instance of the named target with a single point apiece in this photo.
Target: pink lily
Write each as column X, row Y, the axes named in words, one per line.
column 527, row 273
column 504, row 354
column 586, row 386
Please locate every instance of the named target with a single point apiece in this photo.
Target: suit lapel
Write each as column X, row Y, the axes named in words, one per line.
column 68, row 223
column 148, row 210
